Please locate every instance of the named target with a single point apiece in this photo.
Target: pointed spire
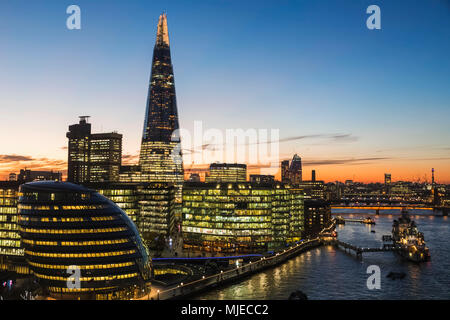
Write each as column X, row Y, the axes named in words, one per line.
column 162, row 35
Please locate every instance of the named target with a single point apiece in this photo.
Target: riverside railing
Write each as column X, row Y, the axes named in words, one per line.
column 184, row 289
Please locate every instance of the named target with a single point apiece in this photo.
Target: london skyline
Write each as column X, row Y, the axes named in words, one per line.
column 353, row 103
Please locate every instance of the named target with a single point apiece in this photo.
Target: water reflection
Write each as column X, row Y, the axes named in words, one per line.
column 327, row 273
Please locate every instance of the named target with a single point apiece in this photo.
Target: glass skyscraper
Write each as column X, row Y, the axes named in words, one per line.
column 292, row 173
column 160, row 157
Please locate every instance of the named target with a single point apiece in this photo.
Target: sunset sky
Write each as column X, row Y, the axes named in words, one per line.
column 354, row 103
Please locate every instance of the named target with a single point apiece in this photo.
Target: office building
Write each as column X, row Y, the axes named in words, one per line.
column 387, row 179
column 240, row 217
column 291, row 172
column 285, row 171
column 32, row 175
column 226, row 172
column 313, row 189
column 11, row 252
column 317, row 216
column 66, row 227
column 259, row 178
column 295, row 170
column 387, row 183
column 93, row 157
column 151, row 206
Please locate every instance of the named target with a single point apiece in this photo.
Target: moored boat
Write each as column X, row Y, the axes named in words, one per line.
column 408, row 241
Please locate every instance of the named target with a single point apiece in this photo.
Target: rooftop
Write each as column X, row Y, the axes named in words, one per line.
column 54, row 186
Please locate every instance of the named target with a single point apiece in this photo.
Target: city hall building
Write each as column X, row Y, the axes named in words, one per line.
column 66, row 227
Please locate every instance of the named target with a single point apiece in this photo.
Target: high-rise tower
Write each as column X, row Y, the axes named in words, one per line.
column 93, row 157
column 160, row 157
column 295, row 169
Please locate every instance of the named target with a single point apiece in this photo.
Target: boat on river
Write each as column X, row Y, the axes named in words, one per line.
column 408, row 241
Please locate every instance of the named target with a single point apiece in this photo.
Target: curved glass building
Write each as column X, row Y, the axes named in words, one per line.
column 79, row 244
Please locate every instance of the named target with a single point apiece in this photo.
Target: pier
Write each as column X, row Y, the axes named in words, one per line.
column 358, row 251
column 341, row 220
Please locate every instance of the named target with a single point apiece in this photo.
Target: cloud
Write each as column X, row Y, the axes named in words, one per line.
column 333, row 137
column 344, row 137
column 294, row 138
column 202, row 147
column 14, row 163
column 7, row 158
column 319, row 162
column 350, row 161
column 129, row 159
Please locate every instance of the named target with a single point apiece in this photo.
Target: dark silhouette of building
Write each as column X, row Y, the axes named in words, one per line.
column 387, row 182
column 67, row 228
column 160, row 156
column 93, row 157
column 194, row 177
column 291, row 172
column 259, row 178
column 313, row 175
column 295, row 170
column 285, row 171
column 26, row 175
column 317, row 216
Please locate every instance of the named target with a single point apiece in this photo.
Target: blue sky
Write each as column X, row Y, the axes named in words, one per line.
column 305, row 67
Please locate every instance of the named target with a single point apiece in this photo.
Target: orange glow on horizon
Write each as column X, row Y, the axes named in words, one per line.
column 416, row 171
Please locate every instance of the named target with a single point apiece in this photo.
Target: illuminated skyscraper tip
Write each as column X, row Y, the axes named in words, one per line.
column 162, row 35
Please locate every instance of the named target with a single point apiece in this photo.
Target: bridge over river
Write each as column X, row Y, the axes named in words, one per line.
column 412, row 209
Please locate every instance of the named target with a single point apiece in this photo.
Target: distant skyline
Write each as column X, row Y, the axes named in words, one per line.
column 353, row 103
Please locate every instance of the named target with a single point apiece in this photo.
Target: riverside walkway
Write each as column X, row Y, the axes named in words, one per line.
column 184, row 289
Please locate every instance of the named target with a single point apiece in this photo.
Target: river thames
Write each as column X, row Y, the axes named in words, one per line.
column 329, row 273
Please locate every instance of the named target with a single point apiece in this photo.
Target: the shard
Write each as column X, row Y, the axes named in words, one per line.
column 160, row 157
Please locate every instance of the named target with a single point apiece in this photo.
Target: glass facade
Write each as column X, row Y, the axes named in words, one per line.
column 160, row 156
column 151, row 206
column 240, row 217
column 317, row 216
column 292, row 173
column 65, row 226
column 93, row 157
column 227, row 172
column 313, row 189
column 9, row 233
